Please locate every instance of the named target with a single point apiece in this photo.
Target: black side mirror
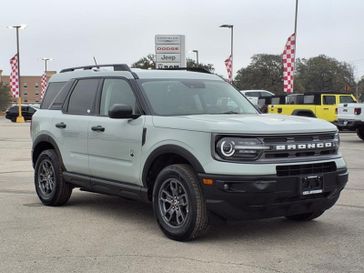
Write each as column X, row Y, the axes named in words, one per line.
column 122, row 111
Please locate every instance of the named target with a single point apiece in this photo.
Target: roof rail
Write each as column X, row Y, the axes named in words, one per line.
column 194, row 69
column 117, row 67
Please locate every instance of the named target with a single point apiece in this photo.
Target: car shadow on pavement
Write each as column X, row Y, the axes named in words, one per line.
column 138, row 213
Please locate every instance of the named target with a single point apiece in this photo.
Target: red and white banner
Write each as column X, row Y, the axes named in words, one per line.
column 14, row 76
column 288, row 58
column 43, row 84
column 229, row 68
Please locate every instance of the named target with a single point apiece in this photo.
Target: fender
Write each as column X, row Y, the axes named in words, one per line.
column 45, row 139
column 165, row 149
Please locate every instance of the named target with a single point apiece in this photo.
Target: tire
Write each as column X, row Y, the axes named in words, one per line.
column 360, row 132
column 177, row 195
column 305, row 216
column 51, row 189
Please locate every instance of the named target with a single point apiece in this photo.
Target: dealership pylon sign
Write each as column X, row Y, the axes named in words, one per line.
column 170, row 51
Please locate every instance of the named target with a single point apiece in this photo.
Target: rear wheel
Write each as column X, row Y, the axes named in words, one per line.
column 178, row 203
column 51, row 189
column 305, row 216
column 360, row 132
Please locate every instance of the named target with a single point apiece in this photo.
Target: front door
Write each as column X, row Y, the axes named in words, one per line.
column 114, row 145
column 327, row 109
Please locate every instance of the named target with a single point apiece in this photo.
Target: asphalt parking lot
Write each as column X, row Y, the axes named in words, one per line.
column 97, row 233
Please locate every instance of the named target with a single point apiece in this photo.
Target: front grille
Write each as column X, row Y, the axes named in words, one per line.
column 306, row 169
column 273, row 141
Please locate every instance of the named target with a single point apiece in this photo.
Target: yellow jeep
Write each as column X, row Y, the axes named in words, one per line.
column 314, row 104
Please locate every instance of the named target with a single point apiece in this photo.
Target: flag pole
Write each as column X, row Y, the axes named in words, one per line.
column 295, row 42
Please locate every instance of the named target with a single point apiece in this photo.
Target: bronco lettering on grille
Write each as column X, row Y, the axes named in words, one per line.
column 303, row 146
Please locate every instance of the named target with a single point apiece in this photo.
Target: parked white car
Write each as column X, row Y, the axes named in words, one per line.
column 351, row 116
column 254, row 95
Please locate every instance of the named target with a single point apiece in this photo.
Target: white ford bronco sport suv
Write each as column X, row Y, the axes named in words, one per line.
column 186, row 141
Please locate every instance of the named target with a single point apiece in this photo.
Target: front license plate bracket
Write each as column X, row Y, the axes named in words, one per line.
column 312, row 185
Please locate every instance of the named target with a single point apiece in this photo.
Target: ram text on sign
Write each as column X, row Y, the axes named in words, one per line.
column 167, row 65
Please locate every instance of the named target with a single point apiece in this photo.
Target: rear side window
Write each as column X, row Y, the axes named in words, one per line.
column 52, row 91
column 58, row 101
column 81, row 101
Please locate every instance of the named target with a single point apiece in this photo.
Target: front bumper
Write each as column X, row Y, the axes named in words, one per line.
column 253, row 197
column 349, row 124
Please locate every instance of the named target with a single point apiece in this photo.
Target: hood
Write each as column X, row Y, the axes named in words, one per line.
column 245, row 124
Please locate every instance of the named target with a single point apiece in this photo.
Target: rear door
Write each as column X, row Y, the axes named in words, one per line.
column 71, row 125
column 114, row 145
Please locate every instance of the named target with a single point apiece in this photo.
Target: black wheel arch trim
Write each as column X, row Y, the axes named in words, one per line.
column 171, row 149
column 50, row 140
column 294, row 113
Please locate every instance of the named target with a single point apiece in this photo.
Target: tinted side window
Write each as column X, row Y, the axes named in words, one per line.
column 60, row 98
column 82, row 99
column 346, row 99
column 13, row 109
column 265, row 95
column 116, row 91
column 51, row 92
column 252, row 94
column 31, row 110
column 330, row 100
column 309, row 99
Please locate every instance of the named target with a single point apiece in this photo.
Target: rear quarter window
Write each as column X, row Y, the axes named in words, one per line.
column 52, row 91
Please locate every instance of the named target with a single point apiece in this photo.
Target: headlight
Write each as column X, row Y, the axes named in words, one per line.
column 337, row 140
column 237, row 149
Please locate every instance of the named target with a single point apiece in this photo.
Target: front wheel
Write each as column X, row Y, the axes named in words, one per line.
column 305, row 216
column 178, row 203
column 360, row 132
column 51, row 189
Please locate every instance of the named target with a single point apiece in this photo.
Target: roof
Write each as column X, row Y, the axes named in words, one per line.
column 173, row 74
column 68, row 74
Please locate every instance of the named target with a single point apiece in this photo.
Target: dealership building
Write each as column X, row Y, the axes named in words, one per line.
column 30, row 87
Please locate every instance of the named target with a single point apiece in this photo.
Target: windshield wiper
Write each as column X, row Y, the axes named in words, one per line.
column 230, row 112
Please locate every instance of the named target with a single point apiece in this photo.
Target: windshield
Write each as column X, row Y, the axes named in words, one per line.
column 195, row 97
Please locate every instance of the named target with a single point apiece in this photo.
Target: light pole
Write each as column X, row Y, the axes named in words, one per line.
column 231, row 44
column 20, row 118
column 46, row 63
column 196, row 51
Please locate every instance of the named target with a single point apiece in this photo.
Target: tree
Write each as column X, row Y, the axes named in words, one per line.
column 5, row 98
column 208, row 67
column 361, row 89
column 147, row 62
column 323, row 73
column 264, row 72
